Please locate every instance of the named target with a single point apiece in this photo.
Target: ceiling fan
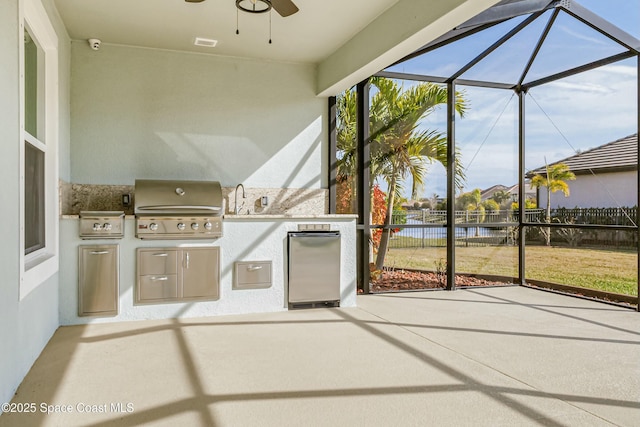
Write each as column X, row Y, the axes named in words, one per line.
column 283, row 7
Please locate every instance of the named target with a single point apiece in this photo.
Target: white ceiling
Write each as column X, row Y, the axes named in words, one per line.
column 310, row 36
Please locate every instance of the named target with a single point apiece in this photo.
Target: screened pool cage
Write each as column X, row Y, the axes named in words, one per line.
column 514, row 46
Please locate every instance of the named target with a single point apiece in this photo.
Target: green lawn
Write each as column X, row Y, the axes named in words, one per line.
column 607, row 270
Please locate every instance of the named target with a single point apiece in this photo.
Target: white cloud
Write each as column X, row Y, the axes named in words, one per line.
column 581, row 87
column 582, row 36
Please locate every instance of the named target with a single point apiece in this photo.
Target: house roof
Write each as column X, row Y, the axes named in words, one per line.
column 489, row 192
column 616, row 156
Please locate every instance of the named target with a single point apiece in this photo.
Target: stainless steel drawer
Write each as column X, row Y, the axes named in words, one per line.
column 157, row 287
column 157, row 261
column 177, row 274
column 252, row 275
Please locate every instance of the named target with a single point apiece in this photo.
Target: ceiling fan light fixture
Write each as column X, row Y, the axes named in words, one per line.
column 254, row 6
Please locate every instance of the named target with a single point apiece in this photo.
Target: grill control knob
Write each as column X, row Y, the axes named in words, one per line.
column 181, row 226
column 97, row 227
column 153, row 226
column 106, row 226
column 195, row 226
column 208, row 225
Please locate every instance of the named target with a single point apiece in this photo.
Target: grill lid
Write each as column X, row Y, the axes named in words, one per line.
column 171, row 197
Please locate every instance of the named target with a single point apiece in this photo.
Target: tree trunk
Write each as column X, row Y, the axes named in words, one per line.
column 386, row 232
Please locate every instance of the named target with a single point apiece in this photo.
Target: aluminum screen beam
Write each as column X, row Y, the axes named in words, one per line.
column 451, row 186
column 601, row 25
column 443, row 80
column 496, row 45
column 496, row 14
column 536, row 50
column 581, row 69
column 508, row 9
column 521, row 188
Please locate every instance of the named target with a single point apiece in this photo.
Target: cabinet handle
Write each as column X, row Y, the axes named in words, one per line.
column 159, row 279
column 161, row 254
column 187, row 260
column 99, row 252
column 254, row 267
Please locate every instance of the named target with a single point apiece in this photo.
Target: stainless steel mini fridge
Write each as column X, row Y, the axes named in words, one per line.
column 314, row 268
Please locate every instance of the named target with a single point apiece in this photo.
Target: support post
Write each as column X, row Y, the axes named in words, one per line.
column 451, row 186
column 638, row 177
column 522, row 191
column 333, row 158
column 363, row 196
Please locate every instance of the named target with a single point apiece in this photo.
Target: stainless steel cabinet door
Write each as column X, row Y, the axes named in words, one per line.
column 200, row 273
column 98, row 280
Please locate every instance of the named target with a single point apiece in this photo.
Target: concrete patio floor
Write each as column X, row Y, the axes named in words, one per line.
column 478, row 357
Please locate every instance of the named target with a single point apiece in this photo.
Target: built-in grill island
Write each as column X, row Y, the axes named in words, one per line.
column 121, row 267
column 167, row 209
column 185, row 210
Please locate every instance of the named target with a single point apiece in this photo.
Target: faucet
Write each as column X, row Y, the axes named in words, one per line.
column 244, row 196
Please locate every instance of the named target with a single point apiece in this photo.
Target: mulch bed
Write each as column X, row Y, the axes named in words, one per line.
column 410, row 280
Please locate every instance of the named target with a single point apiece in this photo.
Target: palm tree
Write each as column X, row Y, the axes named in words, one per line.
column 399, row 148
column 501, row 196
column 472, row 202
column 346, row 132
column 554, row 180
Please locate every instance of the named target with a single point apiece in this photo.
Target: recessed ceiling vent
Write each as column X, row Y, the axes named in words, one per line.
column 205, row 42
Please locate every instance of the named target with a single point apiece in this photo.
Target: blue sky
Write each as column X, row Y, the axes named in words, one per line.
column 575, row 113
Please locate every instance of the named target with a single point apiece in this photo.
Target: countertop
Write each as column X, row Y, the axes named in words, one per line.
column 261, row 216
column 290, row 216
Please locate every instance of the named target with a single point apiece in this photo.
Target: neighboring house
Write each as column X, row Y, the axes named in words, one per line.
column 150, row 104
column 606, row 176
column 513, row 190
column 488, row 193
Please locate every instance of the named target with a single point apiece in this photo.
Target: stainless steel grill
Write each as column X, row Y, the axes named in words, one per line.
column 168, row 209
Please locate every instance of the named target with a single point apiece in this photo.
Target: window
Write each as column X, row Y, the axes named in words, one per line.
column 39, row 169
column 34, row 150
column 34, row 206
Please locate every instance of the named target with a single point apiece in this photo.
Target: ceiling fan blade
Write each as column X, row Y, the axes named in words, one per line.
column 284, row 7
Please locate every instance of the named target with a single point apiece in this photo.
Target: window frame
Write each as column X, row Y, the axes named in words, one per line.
column 38, row 266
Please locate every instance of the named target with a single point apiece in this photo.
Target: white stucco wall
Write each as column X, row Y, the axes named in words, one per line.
column 604, row 190
column 25, row 325
column 244, row 239
column 147, row 113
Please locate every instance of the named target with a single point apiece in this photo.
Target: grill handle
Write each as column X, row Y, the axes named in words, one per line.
column 178, row 208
